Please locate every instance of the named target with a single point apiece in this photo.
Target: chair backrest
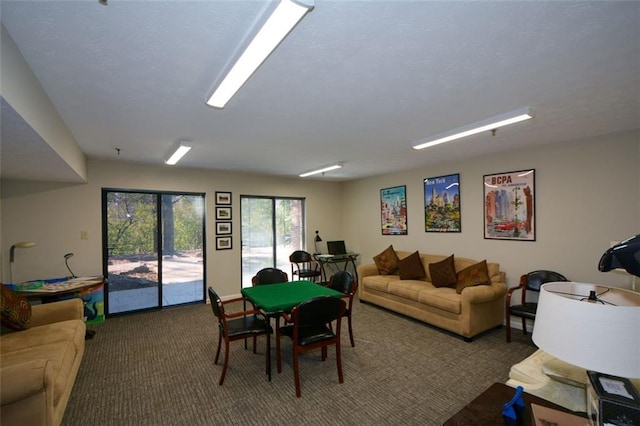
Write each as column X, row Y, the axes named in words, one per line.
column 270, row 276
column 343, row 282
column 216, row 304
column 318, row 311
column 300, row 256
column 535, row 279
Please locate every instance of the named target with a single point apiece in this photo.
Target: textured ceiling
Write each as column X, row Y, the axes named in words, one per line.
column 355, row 81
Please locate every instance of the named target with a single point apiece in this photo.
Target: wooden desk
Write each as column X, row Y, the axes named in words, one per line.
column 486, row 409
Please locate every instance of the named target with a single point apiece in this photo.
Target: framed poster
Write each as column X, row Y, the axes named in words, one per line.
column 442, row 204
column 223, row 198
column 223, row 228
column 509, row 206
column 223, row 243
column 223, row 213
column 393, row 210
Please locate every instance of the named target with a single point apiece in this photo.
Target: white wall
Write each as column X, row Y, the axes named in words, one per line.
column 587, row 194
column 52, row 215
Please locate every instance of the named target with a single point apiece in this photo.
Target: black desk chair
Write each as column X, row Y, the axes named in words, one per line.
column 304, row 266
column 309, row 329
column 237, row 326
column 343, row 282
column 527, row 310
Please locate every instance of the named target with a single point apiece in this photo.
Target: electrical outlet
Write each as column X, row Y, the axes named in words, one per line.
column 84, row 235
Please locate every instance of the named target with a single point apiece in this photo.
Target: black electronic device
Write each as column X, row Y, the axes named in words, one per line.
column 336, row 248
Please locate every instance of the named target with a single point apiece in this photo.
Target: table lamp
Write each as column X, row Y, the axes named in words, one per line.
column 22, row 245
column 590, row 326
column 316, row 240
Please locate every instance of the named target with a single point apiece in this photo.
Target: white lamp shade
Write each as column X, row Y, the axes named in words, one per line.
column 595, row 336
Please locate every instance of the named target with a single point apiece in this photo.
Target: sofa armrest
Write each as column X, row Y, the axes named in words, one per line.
column 367, row 269
column 48, row 313
column 25, row 380
column 484, row 293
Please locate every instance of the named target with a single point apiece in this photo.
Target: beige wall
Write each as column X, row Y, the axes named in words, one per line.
column 587, row 194
column 52, row 215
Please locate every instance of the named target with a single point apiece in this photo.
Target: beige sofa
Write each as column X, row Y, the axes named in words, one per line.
column 473, row 311
column 38, row 366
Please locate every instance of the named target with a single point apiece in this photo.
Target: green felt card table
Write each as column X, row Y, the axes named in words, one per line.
column 276, row 299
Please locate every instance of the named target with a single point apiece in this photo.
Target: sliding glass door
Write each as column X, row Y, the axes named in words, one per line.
column 272, row 229
column 153, row 252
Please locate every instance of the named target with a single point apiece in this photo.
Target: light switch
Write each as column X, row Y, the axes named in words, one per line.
column 84, row 235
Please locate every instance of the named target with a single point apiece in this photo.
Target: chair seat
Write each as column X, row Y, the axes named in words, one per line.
column 309, row 335
column 248, row 326
column 528, row 310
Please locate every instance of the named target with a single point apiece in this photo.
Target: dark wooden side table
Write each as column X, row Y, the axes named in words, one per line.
column 486, row 409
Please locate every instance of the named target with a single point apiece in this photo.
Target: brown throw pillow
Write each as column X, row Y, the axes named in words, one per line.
column 477, row 274
column 16, row 310
column 410, row 268
column 443, row 273
column 387, row 261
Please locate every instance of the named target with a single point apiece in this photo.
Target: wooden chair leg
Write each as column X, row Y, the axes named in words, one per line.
column 226, row 361
column 353, row 344
column 218, row 350
column 296, row 373
column 524, row 326
column 339, row 363
column 255, row 340
column 268, row 356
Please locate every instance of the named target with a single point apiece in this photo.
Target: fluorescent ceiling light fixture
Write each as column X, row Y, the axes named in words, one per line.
column 182, row 149
column 322, row 170
column 478, row 127
column 286, row 15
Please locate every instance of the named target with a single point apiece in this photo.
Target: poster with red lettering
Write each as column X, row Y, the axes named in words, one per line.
column 509, row 206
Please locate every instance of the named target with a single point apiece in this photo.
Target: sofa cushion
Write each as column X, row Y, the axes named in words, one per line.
column 477, row 274
column 444, row 298
column 387, row 261
column 443, row 273
column 16, row 310
column 379, row 282
column 410, row 268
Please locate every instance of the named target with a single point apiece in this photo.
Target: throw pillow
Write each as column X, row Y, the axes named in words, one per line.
column 410, row 268
column 16, row 310
column 443, row 273
column 470, row 276
column 387, row 261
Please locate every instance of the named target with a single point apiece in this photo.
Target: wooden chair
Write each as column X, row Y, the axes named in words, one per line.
column 237, row 326
column 269, row 276
column 343, row 282
column 304, row 266
column 309, row 329
column 530, row 282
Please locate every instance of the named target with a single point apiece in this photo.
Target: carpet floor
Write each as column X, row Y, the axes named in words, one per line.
column 157, row 368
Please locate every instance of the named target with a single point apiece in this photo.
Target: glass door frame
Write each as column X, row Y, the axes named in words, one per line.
column 158, row 237
column 274, row 245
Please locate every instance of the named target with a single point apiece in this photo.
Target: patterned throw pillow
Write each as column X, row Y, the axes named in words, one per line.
column 443, row 273
column 410, row 268
column 16, row 310
column 387, row 261
column 470, row 276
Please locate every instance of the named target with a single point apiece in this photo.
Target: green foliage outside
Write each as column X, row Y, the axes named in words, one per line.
column 132, row 223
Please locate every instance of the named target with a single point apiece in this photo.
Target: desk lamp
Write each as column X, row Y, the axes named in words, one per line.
column 316, row 240
column 66, row 262
column 22, row 245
